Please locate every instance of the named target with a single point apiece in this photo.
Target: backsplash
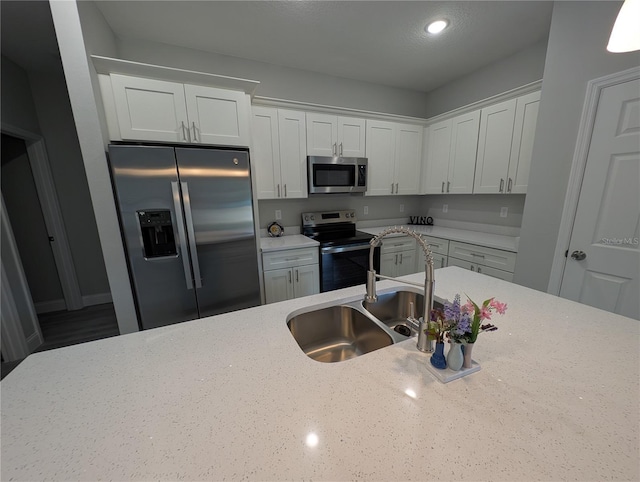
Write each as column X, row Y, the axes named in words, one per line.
column 480, row 209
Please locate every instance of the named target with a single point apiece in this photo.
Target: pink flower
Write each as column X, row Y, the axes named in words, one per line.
column 468, row 307
column 499, row 307
column 485, row 313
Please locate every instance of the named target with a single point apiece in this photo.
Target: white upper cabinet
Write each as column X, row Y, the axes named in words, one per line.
column 279, row 153
column 523, row 134
column 506, row 138
column 329, row 135
column 157, row 110
column 451, row 155
column 494, row 147
column 394, row 152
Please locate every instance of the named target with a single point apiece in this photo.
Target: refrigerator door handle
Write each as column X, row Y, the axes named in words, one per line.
column 181, row 235
column 191, row 233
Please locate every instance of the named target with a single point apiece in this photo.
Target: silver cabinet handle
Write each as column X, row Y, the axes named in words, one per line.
column 501, row 185
column 184, row 135
column 195, row 136
column 289, row 276
column 396, row 188
column 400, row 258
column 479, row 271
column 477, row 254
column 341, row 148
column 396, row 259
column 285, row 190
column 578, row 255
column 335, row 149
column 191, row 232
column 391, row 188
column 278, row 190
column 297, row 279
column 509, row 185
column 442, row 262
column 442, row 190
column 448, row 184
column 472, row 268
column 181, row 234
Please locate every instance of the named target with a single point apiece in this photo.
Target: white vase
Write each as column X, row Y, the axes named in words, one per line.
column 455, row 357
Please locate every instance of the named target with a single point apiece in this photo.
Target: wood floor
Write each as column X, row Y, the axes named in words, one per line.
column 65, row 328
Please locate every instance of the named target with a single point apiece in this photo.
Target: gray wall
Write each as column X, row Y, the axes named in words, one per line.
column 65, row 159
column 520, row 69
column 576, row 53
column 475, row 208
column 380, row 207
column 17, row 105
column 281, row 82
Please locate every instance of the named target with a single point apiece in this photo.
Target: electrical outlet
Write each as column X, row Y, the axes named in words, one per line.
column 278, row 215
column 503, row 212
column 445, row 208
column 366, row 210
column 401, row 208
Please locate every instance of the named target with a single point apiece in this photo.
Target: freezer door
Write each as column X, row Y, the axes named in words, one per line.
column 148, row 196
column 216, row 189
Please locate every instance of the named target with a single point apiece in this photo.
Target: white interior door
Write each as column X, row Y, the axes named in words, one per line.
column 604, row 253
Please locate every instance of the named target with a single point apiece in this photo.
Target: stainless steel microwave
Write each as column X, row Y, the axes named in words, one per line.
column 336, row 174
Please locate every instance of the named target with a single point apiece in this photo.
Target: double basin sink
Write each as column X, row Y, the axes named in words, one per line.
column 339, row 331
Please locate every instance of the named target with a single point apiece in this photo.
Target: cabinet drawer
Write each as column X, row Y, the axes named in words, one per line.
column 438, row 245
column 460, row 263
column 495, row 273
column 400, row 243
column 494, row 258
column 289, row 258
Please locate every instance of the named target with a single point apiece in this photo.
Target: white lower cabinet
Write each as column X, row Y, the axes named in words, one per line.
column 492, row 262
column 398, row 256
column 291, row 273
column 439, row 250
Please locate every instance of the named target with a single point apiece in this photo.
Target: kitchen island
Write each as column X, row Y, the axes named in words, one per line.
column 234, row 397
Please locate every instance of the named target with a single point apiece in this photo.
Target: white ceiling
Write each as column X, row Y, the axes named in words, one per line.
column 375, row 41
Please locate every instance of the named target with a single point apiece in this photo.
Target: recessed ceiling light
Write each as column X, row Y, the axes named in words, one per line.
column 436, row 27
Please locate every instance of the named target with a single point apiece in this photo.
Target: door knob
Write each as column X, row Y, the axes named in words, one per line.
column 578, row 255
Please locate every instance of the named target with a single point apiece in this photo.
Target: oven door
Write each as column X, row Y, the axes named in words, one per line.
column 343, row 266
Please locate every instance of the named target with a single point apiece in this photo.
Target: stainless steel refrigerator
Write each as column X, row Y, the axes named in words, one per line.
column 187, row 221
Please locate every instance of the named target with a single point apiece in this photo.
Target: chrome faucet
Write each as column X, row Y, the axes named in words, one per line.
column 425, row 343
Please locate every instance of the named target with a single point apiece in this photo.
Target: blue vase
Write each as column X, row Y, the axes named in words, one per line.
column 455, row 357
column 437, row 359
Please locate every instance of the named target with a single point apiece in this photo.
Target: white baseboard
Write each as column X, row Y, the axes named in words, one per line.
column 59, row 305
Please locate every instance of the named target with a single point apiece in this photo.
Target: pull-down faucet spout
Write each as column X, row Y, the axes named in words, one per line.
column 424, row 342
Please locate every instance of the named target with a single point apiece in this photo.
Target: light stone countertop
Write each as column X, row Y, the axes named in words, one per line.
column 234, row 397
column 497, row 241
column 292, row 241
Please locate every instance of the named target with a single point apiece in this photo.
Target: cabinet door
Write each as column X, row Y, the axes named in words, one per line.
column 460, row 263
column 322, row 135
column 464, row 148
column 380, row 140
column 150, row 110
column 436, row 163
column 439, row 260
column 351, row 135
column 389, row 264
column 278, row 285
column 293, row 160
column 266, row 151
column 406, row 263
column 408, row 158
column 524, row 130
column 306, row 280
column 494, row 147
column 217, row 116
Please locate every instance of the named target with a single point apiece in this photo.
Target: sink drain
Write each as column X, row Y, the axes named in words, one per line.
column 403, row 330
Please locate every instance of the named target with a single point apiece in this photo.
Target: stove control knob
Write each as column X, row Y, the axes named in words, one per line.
column 306, row 218
column 313, row 218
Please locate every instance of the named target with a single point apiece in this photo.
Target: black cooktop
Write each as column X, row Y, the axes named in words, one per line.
column 328, row 240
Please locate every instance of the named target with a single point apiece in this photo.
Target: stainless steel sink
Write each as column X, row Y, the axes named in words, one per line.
column 349, row 328
column 337, row 333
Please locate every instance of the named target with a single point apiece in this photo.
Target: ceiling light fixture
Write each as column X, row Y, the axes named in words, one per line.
column 625, row 36
column 434, row 28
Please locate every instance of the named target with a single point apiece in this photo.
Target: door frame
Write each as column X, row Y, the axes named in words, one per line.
column 51, row 212
column 578, row 166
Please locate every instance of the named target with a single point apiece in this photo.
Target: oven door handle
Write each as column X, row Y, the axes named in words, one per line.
column 344, row 249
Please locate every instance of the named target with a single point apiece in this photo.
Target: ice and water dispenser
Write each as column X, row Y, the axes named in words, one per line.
column 157, row 233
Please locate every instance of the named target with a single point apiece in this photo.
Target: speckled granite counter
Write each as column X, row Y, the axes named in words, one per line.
column 497, row 241
column 233, row 397
column 287, row 242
